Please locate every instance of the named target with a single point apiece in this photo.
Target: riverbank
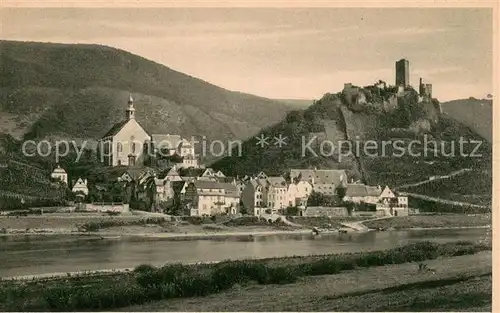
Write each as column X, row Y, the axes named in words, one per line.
column 133, row 225
column 137, row 226
column 461, row 283
column 145, row 283
column 445, row 221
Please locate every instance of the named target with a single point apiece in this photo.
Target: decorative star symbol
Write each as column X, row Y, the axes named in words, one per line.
column 280, row 141
column 262, row 140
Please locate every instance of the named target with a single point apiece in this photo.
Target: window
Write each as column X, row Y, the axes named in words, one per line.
column 119, row 147
column 133, row 147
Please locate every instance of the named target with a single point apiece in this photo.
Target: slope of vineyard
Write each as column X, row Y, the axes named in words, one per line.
column 471, row 187
column 20, row 181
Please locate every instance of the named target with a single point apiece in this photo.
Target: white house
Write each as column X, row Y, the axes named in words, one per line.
column 210, row 198
column 124, row 143
column 60, row 174
column 322, row 181
column 276, row 193
column 298, row 193
column 358, row 193
column 80, row 186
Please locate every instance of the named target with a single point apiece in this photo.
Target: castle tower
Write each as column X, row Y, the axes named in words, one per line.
column 130, row 112
column 403, row 73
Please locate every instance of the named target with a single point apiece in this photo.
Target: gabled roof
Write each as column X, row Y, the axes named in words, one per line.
column 172, row 172
column 361, row 190
column 373, row 191
column 319, row 176
column 115, row 129
column 137, row 172
column 219, row 174
column 230, row 190
column 387, row 193
column 208, row 184
column 276, row 181
column 177, row 186
column 208, row 172
column 225, row 179
column 191, row 172
column 59, row 170
column 159, row 182
column 356, row 190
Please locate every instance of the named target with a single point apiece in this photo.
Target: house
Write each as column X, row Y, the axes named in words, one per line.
column 189, row 174
column 358, row 193
column 164, row 190
column 172, row 175
column 60, row 174
column 254, row 196
column 276, row 193
column 161, row 146
column 179, row 190
column 232, row 198
column 298, row 193
column 124, row 143
column 211, row 198
column 322, row 181
column 392, row 203
column 261, row 175
column 80, row 186
column 136, row 174
column 386, row 195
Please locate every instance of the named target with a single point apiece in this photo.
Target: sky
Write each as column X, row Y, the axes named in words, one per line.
column 282, row 53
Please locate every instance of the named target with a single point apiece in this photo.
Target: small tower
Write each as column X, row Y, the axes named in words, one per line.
column 130, row 112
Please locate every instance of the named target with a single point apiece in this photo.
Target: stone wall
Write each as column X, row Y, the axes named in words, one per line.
column 325, row 211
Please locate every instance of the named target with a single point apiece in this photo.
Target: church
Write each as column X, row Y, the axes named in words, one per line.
column 127, row 143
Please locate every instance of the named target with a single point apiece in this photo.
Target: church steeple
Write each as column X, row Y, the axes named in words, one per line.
column 130, row 112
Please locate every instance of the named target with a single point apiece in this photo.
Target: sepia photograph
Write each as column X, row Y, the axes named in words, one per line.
column 230, row 157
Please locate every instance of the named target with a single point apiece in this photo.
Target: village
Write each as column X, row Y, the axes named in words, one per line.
column 162, row 173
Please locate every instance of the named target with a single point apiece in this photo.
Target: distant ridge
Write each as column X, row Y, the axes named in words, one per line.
column 80, row 91
column 474, row 113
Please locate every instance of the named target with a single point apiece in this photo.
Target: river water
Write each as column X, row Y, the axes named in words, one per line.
column 29, row 255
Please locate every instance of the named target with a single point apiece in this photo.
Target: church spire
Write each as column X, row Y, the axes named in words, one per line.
column 130, row 112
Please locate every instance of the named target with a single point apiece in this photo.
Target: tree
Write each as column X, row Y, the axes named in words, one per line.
column 349, row 206
column 341, row 191
column 292, row 211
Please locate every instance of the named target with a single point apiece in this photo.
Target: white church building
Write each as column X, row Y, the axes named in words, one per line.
column 127, row 143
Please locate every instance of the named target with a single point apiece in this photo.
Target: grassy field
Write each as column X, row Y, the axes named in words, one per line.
column 147, row 283
column 430, row 221
column 461, row 283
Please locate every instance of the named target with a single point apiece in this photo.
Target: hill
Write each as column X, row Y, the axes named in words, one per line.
column 297, row 103
column 338, row 117
column 476, row 114
column 79, row 91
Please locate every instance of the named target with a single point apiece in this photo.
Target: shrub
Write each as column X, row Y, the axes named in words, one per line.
column 148, row 283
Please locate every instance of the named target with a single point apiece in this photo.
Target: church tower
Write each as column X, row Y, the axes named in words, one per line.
column 130, row 112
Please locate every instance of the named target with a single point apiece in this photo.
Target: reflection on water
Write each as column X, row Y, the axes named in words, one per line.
column 26, row 255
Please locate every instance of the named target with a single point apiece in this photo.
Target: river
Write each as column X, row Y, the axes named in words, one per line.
column 29, row 255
